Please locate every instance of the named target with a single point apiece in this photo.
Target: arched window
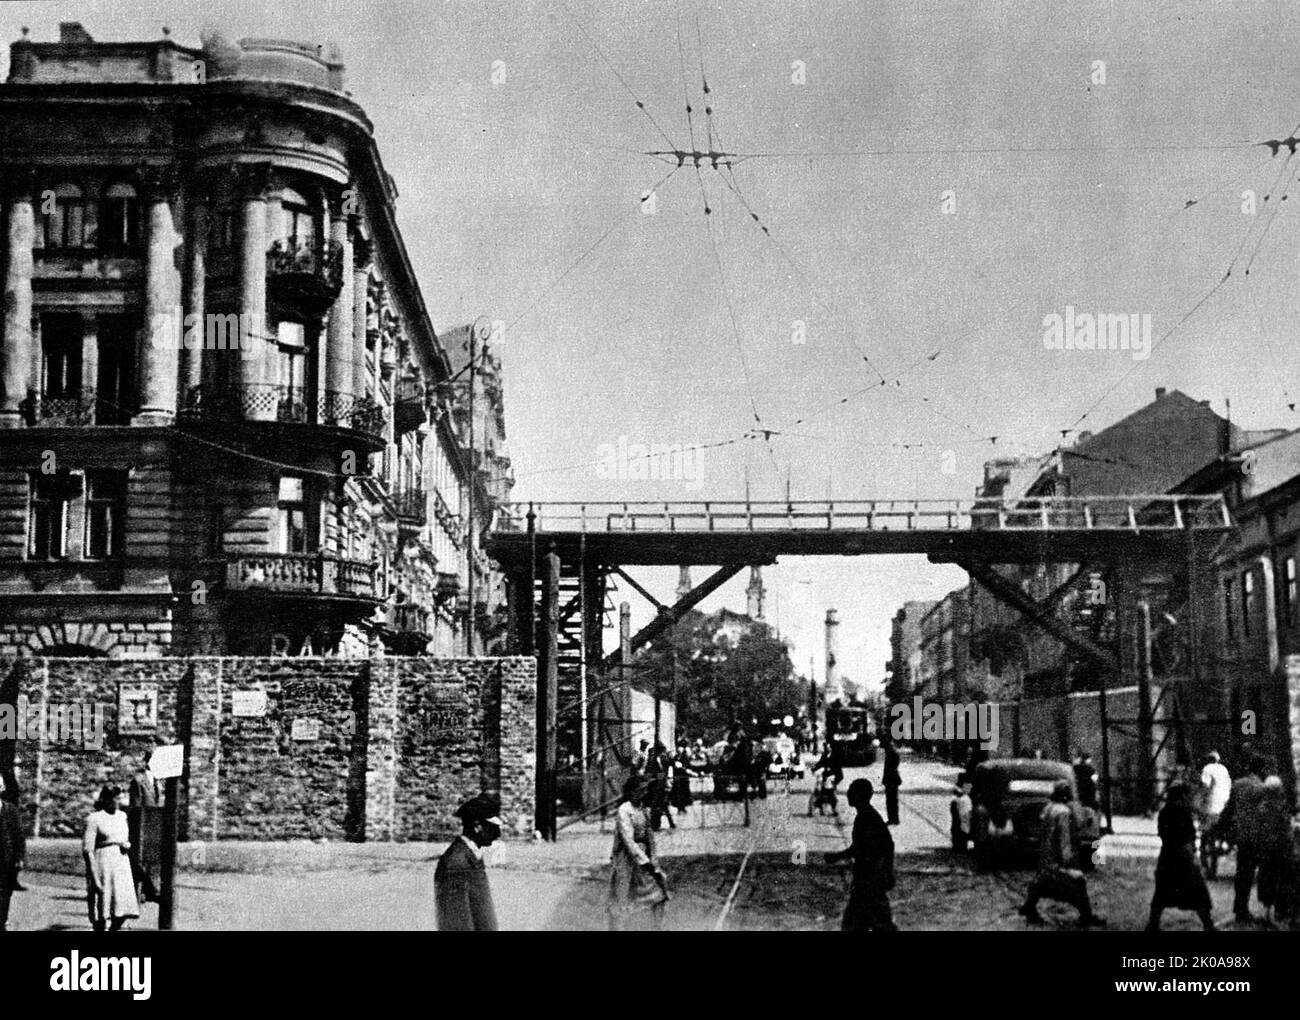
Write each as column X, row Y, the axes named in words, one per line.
column 63, row 217
column 120, row 218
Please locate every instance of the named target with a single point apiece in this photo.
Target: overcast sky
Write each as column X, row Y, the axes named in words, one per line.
column 516, row 149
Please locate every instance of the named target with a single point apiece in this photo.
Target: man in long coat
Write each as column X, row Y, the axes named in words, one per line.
column 13, row 847
column 1242, row 819
column 462, row 894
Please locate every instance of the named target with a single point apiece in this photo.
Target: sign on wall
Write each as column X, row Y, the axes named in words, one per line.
column 305, row 729
column 137, row 709
column 168, row 761
column 248, row 704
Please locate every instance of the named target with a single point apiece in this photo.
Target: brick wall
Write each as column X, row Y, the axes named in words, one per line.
column 380, row 749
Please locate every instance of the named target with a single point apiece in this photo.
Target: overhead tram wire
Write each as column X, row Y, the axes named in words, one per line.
column 1201, row 301
column 587, row 252
column 735, row 326
column 640, row 104
column 734, row 187
column 993, row 150
column 1273, row 215
column 572, row 142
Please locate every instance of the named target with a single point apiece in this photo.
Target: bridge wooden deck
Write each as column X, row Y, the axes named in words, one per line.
column 1058, row 528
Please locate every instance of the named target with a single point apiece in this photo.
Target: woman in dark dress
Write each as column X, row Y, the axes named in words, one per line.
column 681, row 793
column 1179, row 882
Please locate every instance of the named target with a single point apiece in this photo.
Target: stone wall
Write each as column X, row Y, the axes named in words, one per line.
column 286, row 748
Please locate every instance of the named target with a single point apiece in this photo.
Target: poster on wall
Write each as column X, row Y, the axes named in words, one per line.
column 305, row 729
column 248, row 704
column 137, row 709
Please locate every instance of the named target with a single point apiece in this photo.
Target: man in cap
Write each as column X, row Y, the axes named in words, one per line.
column 1059, row 876
column 460, row 882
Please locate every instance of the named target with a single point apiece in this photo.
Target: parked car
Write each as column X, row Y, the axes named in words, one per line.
column 1007, row 800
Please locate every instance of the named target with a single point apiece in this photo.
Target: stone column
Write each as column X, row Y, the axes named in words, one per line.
column 338, row 341
column 361, row 258
column 90, row 368
column 16, row 351
column 191, row 374
column 255, row 184
column 160, row 331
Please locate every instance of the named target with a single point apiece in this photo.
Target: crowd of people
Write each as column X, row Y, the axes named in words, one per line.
column 1202, row 815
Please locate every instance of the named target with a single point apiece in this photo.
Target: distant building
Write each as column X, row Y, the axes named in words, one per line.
column 904, row 666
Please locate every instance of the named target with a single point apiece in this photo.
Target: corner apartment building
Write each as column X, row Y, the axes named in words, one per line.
column 224, row 420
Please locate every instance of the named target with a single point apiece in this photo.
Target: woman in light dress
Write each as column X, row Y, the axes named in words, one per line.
column 636, row 883
column 110, row 885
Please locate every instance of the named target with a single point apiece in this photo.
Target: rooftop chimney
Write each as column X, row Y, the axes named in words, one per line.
column 1160, row 392
column 72, row 32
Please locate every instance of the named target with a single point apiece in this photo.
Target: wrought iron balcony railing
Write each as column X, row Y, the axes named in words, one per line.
column 270, row 402
column 345, row 411
column 301, row 574
column 72, row 411
column 412, row 505
column 306, row 272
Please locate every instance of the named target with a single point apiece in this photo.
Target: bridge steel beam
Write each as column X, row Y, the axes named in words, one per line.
column 640, row 590
column 1003, row 590
column 547, row 690
column 676, row 611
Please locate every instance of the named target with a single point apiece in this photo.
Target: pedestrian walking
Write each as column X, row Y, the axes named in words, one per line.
column 636, row 882
column 1211, row 800
column 680, row 797
column 961, row 808
column 892, row 780
column 1179, row 882
column 1277, row 853
column 144, row 824
column 742, row 762
column 758, row 771
column 1242, row 820
column 642, row 758
column 872, row 852
column 105, row 848
column 659, row 773
column 13, row 848
column 462, row 894
column 1059, row 877
column 1085, row 779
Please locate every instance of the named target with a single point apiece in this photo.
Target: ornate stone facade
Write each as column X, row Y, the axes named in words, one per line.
column 219, row 385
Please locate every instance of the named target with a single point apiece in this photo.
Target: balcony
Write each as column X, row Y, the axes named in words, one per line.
column 409, row 411
column 291, row 404
column 448, row 585
column 305, row 274
column 75, row 411
column 301, row 574
column 345, row 411
column 412, row 506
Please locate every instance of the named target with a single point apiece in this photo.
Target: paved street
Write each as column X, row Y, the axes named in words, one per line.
column 784, row 883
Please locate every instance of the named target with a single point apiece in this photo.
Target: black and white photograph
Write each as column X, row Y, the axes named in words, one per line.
column 652, row 465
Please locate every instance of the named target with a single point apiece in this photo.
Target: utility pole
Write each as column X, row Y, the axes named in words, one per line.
column 469, row 502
